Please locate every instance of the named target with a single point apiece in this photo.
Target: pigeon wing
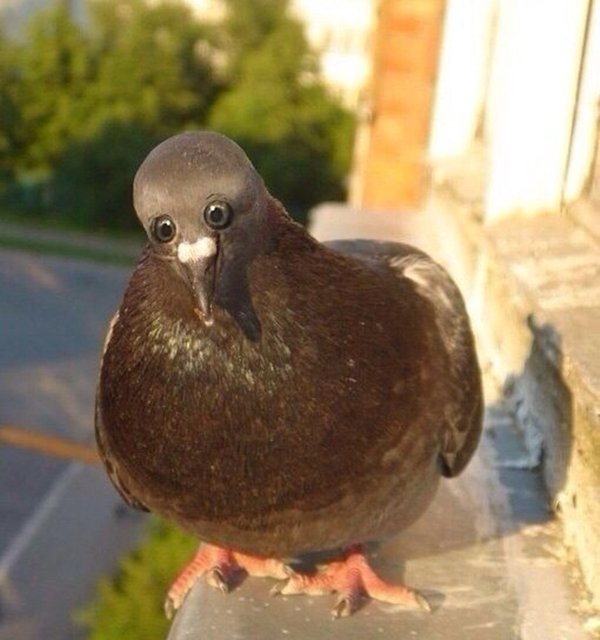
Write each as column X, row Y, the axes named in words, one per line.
column 464, row 409
column 103, row 448
column 110, row 466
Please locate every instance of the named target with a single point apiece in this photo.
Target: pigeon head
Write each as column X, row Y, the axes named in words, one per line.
column 204, row 207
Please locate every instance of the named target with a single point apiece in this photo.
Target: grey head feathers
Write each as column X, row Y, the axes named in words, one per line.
column 185, row 171
column 206, row 211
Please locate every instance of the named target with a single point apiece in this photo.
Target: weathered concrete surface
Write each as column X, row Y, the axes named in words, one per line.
column 534, row 284
column 556, row 266
column 488, row 553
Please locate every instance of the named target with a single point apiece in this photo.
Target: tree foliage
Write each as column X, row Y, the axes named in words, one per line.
column 148, row 66
column 9, row 112
column 277, row 107
column 92, row 180
column 54, row 71
column 134, row 63
column 81, row 104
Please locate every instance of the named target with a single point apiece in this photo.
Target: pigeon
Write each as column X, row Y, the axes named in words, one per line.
column 275, row 395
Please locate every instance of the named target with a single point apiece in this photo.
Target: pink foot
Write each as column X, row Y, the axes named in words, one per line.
column 218, row 566
column 351, row 578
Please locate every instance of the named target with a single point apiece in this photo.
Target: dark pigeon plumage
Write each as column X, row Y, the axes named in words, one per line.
column 270, row 393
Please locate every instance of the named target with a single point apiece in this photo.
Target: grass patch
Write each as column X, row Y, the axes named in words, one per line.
column 55, row 236
column 58, row 222
column 66, row 250
column 130, row 604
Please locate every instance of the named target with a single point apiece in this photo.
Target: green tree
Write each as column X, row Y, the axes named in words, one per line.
column 69, row 93
column 9, row 112
column 91, row 183
column 55, row 71
column 151, row 79
column 137, row 65
column 247, row 26
column 298, row 136
column 135, row 62
column 151, row 69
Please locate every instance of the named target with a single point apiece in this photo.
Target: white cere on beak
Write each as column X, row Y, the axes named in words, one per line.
column 192, row 251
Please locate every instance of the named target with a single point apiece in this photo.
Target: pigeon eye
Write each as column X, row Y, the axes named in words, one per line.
column 218, row 215
column 163, row 228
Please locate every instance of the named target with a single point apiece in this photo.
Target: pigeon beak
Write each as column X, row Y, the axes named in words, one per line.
column 198, row 260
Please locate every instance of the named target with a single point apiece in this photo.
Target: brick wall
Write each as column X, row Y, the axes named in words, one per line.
column 390, row 173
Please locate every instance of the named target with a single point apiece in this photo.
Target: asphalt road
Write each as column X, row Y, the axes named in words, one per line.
column 58, row 528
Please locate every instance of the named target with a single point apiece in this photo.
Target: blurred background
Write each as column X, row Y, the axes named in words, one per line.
column 469, row 126
column 88, row 88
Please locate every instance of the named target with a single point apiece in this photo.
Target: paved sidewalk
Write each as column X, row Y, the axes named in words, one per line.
column 488, row 553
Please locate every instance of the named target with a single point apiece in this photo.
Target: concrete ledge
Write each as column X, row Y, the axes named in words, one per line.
column 534, row 288
column 480, row 553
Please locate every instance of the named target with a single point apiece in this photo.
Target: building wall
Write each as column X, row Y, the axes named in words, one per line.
column 515, row 167
column 390, row 159
column 510, row 85
column 521, row 79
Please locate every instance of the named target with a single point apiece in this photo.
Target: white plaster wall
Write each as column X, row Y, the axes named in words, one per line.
column 512, row 68
column 462, row 77
column 531, row 103
column 585, row 134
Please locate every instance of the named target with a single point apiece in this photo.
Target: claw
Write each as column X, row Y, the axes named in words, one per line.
column 216, row 579
column 218, row 565
column 169, row 607
column 342, row 608
column 422, row 601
